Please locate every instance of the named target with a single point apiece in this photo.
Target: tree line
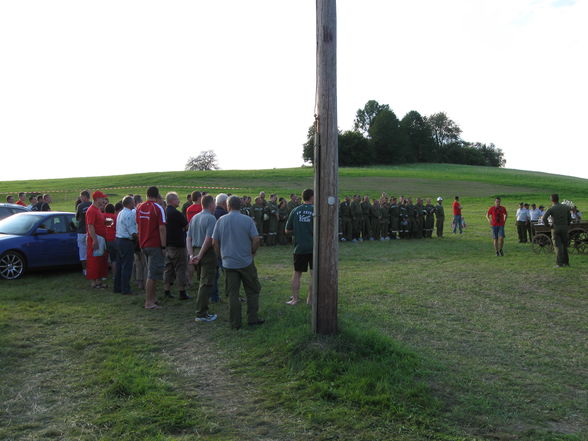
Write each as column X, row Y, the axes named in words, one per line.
column 380, row 138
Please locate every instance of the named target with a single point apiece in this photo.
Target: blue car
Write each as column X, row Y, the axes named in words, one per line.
column 37, row 240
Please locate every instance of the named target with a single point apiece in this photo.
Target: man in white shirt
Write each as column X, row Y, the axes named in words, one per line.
column 535, row 216
column 522, row 222
column 126, row 236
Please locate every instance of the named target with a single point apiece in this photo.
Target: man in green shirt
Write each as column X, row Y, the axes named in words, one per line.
column 356, row 219
column 561, row 219
column 439, row 216
column 300, row 224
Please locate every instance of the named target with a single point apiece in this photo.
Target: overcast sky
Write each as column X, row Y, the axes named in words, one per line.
column 109, row 87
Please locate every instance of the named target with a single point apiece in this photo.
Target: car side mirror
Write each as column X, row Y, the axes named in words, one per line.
column 40, row 231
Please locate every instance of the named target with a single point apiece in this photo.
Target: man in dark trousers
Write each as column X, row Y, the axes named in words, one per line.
column 176, row 258
column 561, row 219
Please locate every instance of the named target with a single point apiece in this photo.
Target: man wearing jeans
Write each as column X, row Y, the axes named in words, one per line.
column 235, row 240
column 497, row 215
column 457, row 220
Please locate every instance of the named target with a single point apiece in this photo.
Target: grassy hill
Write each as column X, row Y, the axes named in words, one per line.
column 440, row 339
column 417, row 180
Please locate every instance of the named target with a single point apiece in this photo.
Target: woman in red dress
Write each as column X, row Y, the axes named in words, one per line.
column 96, row 266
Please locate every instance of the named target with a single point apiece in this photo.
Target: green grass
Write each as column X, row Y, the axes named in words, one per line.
column 439, row 340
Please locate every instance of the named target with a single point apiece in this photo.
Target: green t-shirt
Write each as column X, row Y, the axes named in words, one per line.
column 300, row 222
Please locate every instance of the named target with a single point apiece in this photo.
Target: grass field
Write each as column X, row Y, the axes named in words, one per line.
column 440, row 339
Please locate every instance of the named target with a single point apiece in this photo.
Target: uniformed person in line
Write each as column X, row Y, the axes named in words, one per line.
column 365, row 212
column 384, row 218
column 429, row 219
column 282, row 218
column 271, row 209
column 411, row 211
column 404, row 220
column 394, row 219
column 375, row 220
column 356, row 219
column 439, row 216
column 345, row 216
column 258, row 211
column 420, row 214
column 246, row 208
column 560, row 221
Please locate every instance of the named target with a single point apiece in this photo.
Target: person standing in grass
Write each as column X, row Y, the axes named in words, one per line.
column 81, row 210
column 96, row 254
column 126, row 235
column 176, row 258
column 561, row 219
column 497, row 215
column 201, row 252
column 21, row 199
column 300, row 225
column 236, row 240
column 457, row 219
column 152, row 240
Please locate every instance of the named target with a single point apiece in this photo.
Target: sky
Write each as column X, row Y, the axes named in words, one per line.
column 125, row 86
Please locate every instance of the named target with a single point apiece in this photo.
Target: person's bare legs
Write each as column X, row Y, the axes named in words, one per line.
column 150, row 294
column 295, row 288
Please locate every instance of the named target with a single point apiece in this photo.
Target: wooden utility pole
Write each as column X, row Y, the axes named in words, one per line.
column 326, row 208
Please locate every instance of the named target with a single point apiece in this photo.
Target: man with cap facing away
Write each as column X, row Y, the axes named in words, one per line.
column 561, row 219
column 96, row 255
column 152, row 240
column 440, row 216
column 235, row 240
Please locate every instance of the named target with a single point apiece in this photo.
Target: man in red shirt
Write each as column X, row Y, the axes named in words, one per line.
column 457, row 219
column 497, row 217
column 96, row 254
column 152, row 236
column 196, row 206
column 21, row 200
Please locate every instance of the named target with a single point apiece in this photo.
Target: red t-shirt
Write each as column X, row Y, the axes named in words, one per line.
column 149, row 217
column 192, row 211
column 95, row 217
column 110, row 230
column 456, row 208
column 498, row 215
column 21, row 203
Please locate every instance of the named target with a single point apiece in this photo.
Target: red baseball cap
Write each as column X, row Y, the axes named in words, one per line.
column 98, row 194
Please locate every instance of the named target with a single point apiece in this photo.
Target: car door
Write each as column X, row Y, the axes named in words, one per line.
column 57, row 246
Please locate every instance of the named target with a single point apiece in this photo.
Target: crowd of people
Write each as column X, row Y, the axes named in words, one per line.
column 156, row 240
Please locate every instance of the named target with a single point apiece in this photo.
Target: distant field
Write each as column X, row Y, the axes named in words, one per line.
column 419, row 180
column 440, row 340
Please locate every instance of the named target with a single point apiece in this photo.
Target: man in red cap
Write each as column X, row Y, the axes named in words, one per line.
column 96, row 257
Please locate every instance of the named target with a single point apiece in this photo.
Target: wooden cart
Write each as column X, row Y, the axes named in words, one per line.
column 578, row 236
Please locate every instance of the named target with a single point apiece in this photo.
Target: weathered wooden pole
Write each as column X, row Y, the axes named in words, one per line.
column 326, row 221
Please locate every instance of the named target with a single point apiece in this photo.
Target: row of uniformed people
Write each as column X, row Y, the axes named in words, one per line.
column 389, row 218
column 270, row 216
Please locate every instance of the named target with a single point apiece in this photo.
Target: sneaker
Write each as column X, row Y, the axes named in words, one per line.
column 354, row 241
column 501, row 253
column 343, row 239
column 206, row 318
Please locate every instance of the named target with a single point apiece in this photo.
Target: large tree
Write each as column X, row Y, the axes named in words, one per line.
column 419, row 138
column 365, row 117
column 444, row 130
column 308, row 146
column 389, row 142
column 354, row 149
column 206, row 160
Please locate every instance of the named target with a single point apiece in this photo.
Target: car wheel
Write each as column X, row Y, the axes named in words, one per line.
column 12, row 265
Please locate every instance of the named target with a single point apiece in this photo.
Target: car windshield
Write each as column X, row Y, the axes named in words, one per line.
column 19, row 224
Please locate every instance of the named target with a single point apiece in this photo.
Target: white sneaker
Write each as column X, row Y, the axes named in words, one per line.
column 206, row 318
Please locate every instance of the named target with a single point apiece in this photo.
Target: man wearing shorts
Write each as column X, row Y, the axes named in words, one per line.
column 152, row 240
column 300, row 225
column 497, row 217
